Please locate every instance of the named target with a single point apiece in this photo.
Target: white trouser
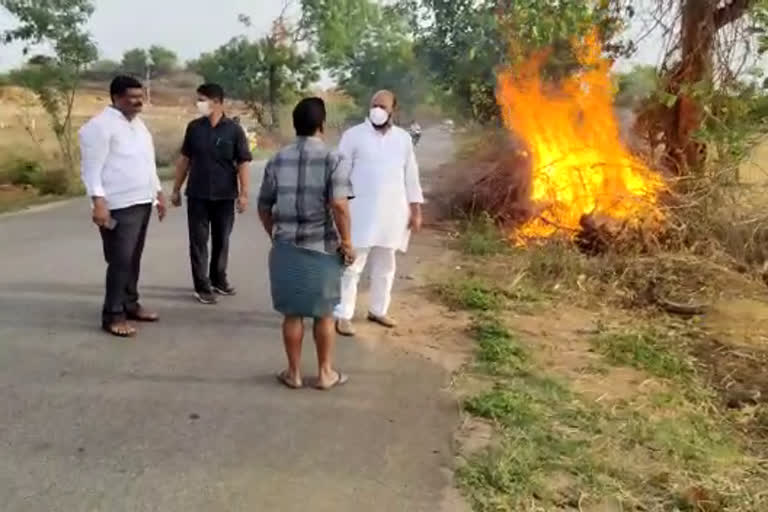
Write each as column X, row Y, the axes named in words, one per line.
column 382, row 264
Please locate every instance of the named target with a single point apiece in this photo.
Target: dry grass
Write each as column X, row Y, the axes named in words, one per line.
column 26, row 137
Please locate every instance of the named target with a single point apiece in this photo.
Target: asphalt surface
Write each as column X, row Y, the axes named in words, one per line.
column 188, row 416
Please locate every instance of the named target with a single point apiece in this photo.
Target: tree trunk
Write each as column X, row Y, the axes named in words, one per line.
column 273, row 96
column 701, row 20
column 698, row 39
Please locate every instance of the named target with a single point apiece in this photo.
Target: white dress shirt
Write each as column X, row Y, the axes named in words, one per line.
column 385, row 181
column 118, row 160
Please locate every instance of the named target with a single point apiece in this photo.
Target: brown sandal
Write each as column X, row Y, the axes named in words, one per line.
column 120, row 329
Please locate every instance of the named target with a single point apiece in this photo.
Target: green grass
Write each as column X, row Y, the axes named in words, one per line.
column 471, row 293
column 666, row 447
column 646, row 349
column 555, row 449
column 497, row 349
column 481, row 237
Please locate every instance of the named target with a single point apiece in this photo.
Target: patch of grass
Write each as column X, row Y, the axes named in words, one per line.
column 20, row 172
column 471, row 293
column 554, row 262
column 498, row 350
column 557, row 450
column 534, row 416
column 645, row 349
column 481, row 237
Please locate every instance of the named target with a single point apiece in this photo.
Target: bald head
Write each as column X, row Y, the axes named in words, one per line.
column 384, row 99
column 383, row 105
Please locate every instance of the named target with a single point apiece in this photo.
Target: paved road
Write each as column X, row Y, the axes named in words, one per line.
column 188, row 416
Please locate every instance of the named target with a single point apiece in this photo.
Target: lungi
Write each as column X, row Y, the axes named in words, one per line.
column 304, row 283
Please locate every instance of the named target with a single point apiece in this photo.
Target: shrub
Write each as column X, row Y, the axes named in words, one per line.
column 21, row 172
column 54, row 182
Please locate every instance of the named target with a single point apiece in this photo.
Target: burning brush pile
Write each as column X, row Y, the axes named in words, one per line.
column 575, row 178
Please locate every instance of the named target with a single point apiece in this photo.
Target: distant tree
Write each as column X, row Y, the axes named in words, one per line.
column 464, row 42
column 105, row 66
column 102, row 70
column 163, row 60
column 366, row 46
column 135, row 62
column 266, row 72
column 157, row 61
column 60, row 25
column 637, row 85
column 41, row 60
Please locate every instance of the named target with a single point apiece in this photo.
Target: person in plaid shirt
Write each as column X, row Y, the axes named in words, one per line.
column 304, row 207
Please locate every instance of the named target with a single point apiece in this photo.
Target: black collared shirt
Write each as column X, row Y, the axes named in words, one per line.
column 214, row 153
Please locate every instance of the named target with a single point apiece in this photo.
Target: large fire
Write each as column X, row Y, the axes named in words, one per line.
column 580, row 165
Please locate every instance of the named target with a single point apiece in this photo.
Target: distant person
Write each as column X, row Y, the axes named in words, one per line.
column 120, row 176
column 415, row 130
column 216, row 158
column 304, row 207
column 387, row 207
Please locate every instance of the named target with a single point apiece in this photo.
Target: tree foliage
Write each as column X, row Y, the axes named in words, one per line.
column 135, row 62
column 259, row 72
column 158, row 61
column 163, row 60
column 366, row 46
column 636, row 85
column 464, row 42
column 54, row 79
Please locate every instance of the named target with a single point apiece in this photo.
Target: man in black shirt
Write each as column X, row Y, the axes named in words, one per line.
column 216, row 159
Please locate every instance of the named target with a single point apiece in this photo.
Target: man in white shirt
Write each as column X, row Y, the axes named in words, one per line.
column 386, row 208
column 119, row 172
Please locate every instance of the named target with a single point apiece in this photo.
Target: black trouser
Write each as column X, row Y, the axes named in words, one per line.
column 214, row 218
column 123, row 247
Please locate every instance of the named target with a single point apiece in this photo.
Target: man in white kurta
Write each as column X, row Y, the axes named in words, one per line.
column 386, row 208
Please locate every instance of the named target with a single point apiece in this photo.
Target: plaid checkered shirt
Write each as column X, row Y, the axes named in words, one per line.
column 298, row 185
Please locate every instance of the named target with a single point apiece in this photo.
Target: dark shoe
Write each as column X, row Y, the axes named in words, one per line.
column 206, row 297
column 225, row 290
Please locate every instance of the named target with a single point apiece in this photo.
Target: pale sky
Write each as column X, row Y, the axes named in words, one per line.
column 187, row 27
column 190, row 27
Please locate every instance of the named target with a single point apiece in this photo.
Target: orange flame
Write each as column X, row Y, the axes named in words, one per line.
column 580, row 166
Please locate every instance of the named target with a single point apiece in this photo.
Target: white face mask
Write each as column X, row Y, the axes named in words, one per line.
column 204, row 107
column 378, row 116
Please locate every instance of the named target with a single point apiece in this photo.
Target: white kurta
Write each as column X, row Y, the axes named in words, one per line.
column 385, row 181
